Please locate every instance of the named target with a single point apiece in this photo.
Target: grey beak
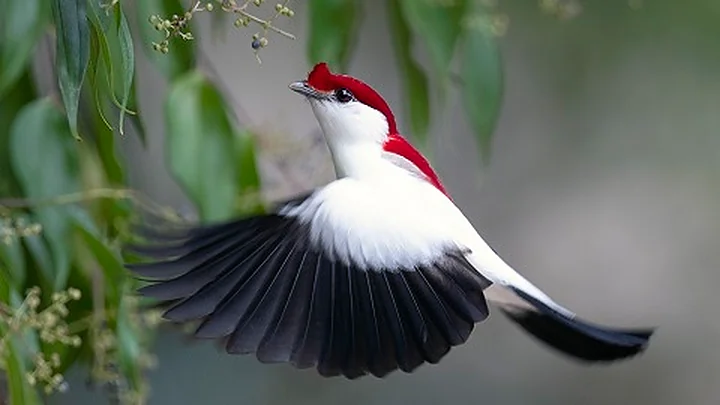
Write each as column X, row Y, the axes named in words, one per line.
column 302, row 87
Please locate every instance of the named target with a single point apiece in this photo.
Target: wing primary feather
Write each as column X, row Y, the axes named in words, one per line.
column 199, row 274
column 385, row 357
column 469, row 280
column 197, row 242
column 277, row 346
column 177, row 266
column 325, row 366
column 370, row 351
column 356, row 360
column 454, row 328
column 310, row 347
column 243, row 296
column 429, row 339
column 408, row 354
column 456, row 296
column 205, row 300
column 335, row 361
column 262, row 319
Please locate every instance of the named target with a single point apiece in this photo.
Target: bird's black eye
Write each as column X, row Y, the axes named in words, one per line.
column 343, row 95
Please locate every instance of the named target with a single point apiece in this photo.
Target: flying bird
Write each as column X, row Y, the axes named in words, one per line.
column 376, row 271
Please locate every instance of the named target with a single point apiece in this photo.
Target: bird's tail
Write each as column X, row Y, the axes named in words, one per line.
column 567, row 333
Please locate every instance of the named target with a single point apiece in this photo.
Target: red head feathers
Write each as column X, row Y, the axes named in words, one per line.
column 322, row 79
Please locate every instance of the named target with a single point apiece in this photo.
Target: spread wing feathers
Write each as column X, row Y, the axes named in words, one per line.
column 262, row 286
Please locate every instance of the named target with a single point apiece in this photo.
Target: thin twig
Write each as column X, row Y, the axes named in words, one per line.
column 94, row 194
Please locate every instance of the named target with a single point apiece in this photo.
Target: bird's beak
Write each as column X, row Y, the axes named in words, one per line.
column 302, row 87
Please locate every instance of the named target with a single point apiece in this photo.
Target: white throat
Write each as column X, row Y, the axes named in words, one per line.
column 355, row 134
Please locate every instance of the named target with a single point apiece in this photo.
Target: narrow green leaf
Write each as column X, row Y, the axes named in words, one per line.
column 21, row 24
column 181, row 57
column 129, row 342
column 102, row 129
column 136, row 119
column 333, row 28
column 12, row 259
column 17, row 352
column 127, row 63
column 414, row 80
column 100, row 47
column 73, row 53
column 17, row 362
column 107, row 152
column 202, row 146
column 114, row 49
column 109, row 260
column 438, row 23
column 482, row 81
column 40, row 133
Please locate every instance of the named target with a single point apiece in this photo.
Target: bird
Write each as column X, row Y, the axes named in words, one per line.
column 376, row 271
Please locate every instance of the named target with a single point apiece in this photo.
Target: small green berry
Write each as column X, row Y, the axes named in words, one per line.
column 278, row 7
column 209, row 7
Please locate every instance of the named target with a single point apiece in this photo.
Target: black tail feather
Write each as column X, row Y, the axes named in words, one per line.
column 575, row 337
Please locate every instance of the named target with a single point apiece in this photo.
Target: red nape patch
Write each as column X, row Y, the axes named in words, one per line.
column 322, row 79
column 400, row 146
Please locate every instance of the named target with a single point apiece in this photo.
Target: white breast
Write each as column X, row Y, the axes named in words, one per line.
column 388, row 225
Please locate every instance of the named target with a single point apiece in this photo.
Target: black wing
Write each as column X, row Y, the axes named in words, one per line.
column 260, row 284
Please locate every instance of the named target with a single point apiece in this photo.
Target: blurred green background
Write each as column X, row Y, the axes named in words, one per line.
column 602, row 188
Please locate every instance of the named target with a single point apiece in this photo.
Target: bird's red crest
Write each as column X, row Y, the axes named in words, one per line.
column 322, row 79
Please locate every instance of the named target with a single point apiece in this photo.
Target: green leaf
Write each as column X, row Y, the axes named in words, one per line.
column 414, row 80
column 482, row 81
column 73, row 53
column 21, row 24
column 136, row 119
column 333, row 28
column 19, row 94
column 40, row 133
column 202, row 146
column 127, row 62
column 181, row 57
column 438, row 23
column 12, row 259
column 102, row 129
column 112, row 50
column 109, row 261
column 16, row 368
column 129, row 342
column 17, row 356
